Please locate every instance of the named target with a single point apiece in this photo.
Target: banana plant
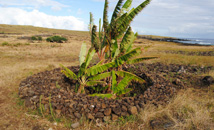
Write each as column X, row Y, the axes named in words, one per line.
column 119, row 27
column 86, row 73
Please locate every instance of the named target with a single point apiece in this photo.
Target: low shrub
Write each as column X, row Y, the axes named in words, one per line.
column 5, row 44
column 57, row 39
column 39, row 38
column 33, row 38
column 36, row 38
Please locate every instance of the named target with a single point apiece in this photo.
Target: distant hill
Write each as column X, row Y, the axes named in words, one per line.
column 24, row 29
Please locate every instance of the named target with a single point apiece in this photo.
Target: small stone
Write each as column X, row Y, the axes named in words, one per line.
column 114, row 117
column 132, row 110
column 75, row 125
column 27, row 102
column 90, row 116
column 107, row 111
column 50, row 129
column 117, row 110
column 103, row 105
column 99, row 115
column 77, row 115
column 124, row 108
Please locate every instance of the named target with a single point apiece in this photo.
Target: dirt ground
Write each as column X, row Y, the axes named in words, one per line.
column 192, row 108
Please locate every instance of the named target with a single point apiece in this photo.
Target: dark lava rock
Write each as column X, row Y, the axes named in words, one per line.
column 207, row 80
column 99, row 115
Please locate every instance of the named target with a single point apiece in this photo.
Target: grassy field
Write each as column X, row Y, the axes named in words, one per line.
column 20, row 57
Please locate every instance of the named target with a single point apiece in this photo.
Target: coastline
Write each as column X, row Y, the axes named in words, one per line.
column 182, row 41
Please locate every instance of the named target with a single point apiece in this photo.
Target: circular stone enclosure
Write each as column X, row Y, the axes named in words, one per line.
column 53, row 87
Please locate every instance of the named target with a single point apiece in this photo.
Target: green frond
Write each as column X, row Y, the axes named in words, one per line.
column 82, row 70
column 100, row 31
column 94, row 42
column 93, row 83
column 91, row 23
column 101, row 95
column 82, row 54
column 127, row 5
column 100, row 76
column 105, row 16
column 124, row 58
column 126, row 40
column 135, row 77
column 128, row 47
column 123, row 84
column 114, row 82
column 94, row 70
column 131, row 15
column 127, row 90
column 117, row 52
column 116, row 10
column 89, row 57
column 114, row 49
column 138, row 60
column 100, row 62
column 68, row 73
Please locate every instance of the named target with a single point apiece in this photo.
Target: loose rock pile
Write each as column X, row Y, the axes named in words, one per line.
column 59, row 91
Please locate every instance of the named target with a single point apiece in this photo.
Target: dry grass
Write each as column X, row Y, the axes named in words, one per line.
column 190, row 109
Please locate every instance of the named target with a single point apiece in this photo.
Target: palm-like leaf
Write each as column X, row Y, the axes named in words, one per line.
column 91, row 23
column 105, row 16
column 128, row 74
column 82, row 53
column 124, row 58
column 114, row 82
column 68, row 73
column 94, row 70
column 100, row 76
column 131, row 15
column 122, row 84
column 116, row 10
column 94, row 42
column 89, row 57
column 100, row 32
column 127, row 5
column 126, row 40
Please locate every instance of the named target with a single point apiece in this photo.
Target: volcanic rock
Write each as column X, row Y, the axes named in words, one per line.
column 132, row 110
column 107, row 111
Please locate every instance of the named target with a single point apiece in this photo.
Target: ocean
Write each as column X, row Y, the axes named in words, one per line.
column 200, row 41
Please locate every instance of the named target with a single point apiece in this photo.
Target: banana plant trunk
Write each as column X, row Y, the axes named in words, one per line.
column 81, row 89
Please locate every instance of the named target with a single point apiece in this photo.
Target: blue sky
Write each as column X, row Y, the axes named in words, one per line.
column 178, row 18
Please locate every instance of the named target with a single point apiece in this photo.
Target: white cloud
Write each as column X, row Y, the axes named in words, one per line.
column 34, row 3
column 188, row 18
column 21, row 17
